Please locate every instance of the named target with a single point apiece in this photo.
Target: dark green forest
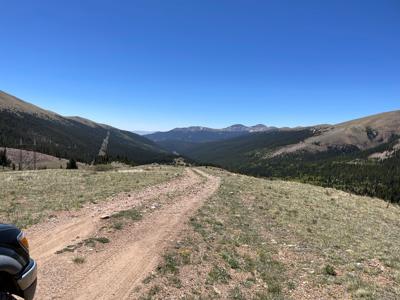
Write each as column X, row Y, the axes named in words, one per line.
column 342, row 171
column 68, row 138
column 347, row 168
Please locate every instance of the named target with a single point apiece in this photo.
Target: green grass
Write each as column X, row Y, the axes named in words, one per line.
column 120, row 219
column 78, row 260
column 329, row 270
column 218, row 275
column 28, row 197
column 90, row 242
column 132, row 214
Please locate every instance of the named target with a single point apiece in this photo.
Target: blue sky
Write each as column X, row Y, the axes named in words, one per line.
column 161, row 64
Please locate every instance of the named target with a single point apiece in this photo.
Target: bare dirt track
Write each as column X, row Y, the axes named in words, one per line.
column 114, row 270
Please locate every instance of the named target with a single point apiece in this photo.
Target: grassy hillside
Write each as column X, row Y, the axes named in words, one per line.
column 69, row 137
column 31, row 196
column 43, row 161
column 364, row 133
column 262, row 239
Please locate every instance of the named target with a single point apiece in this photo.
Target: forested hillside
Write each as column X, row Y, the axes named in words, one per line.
column 344, row 167
column 26, row 124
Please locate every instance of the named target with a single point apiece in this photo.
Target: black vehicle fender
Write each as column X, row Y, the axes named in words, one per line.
column 10, row 265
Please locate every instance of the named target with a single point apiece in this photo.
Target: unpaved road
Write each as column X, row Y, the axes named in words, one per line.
column 114, row 270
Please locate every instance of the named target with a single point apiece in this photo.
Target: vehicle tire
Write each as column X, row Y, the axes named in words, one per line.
column 6, row 297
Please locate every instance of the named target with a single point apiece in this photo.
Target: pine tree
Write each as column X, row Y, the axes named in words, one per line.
column 4, row 161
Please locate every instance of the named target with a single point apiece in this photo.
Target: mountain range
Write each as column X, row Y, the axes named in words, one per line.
column 361, row 156
column 180, row 140
column 369, row 134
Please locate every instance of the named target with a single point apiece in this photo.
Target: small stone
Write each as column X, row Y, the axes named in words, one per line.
column 217, row 291
column 104, row 217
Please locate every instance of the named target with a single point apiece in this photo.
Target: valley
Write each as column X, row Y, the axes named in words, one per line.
column 360, row 156
column 123, row 229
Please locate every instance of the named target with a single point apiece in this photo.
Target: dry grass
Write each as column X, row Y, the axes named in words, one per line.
column 29, row 196
column 254, row 239
column 261, row 239
column 43, row 161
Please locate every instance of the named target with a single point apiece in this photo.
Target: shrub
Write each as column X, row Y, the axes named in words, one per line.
column 103, row 167
column 330, row 270
column 71, row 165
column 78, row 260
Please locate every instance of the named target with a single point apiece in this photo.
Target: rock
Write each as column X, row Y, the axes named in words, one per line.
column 217, row 291
column 104, row 217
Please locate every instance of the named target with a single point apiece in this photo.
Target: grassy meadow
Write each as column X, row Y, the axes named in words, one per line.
column 27, row 197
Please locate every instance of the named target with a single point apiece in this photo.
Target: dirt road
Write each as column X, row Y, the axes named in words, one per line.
column 113, row 270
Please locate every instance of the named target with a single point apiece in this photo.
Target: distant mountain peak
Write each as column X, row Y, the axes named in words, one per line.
column 232, row 128
column 191, row 129
column 236, row 127
column 201, row 134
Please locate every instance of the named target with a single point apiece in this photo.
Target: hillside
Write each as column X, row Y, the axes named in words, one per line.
column 238, row 151
column 361, row 156
column 26, row 158
column 69, row 136
column 262, row 239
column 364, row 133
column 163, row 232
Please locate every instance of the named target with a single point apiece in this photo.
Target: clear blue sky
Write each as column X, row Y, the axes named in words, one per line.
column 162, row 64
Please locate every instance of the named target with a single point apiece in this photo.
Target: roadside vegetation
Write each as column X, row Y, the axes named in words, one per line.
column 262, row 239
column 28, row 197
